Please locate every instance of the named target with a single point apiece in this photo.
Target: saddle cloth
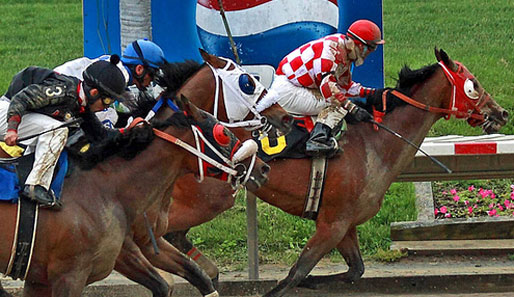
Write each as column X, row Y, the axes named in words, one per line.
column 291, row 145
column 14, row 172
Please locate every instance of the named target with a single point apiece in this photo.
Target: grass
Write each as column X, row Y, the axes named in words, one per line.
column 477, row 33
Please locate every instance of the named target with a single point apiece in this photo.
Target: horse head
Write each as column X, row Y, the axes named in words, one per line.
column 469, row 98
column 244, row 98
column 225, row 157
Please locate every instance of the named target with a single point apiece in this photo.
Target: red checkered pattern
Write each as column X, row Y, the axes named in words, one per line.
column 306, row 65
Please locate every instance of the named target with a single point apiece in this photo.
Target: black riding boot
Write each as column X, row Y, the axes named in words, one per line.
column 321, row 142
column 42, row 196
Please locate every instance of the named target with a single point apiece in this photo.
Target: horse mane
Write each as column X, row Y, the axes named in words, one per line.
column 407, row 78
column 174, row 75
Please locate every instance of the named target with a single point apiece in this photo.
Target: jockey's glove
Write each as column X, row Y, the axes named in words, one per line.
column 358, row 113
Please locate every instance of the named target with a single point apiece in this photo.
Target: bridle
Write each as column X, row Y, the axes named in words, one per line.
column 237, row 173
column 259, row 122
column 462, row 106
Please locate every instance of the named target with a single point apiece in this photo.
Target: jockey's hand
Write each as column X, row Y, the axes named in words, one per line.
column 360, row 114
column 340, row 97
column 11, row 137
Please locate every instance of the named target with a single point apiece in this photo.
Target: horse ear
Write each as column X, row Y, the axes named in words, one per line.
column 205, row 55
column 447, row 61
column 212, row 59
column 437, row 54
column 186, row 105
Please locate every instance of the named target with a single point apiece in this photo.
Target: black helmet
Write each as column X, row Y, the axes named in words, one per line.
column 106, row 77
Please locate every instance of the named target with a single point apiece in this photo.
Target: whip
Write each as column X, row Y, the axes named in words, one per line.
column 439, row 163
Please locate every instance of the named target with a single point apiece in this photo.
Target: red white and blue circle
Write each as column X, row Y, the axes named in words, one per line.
column 264, row 31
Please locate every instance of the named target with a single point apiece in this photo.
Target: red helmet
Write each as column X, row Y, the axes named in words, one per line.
column 365, row 32
column 220, row 135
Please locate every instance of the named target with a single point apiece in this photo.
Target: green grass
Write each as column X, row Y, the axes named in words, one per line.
column 478, row 33
column 43, row 33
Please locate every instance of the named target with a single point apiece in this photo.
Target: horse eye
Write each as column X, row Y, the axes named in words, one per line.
column 469, row 89
column 246, row 84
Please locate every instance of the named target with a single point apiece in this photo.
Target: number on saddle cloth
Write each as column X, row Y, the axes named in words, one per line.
column 13, row 174
column 291, row 145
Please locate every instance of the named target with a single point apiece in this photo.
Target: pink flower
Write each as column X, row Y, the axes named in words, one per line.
column 444, row 192
column 474, row 206
column 500, row 207
column 456, row 198
column 512, row 187
column 491, row 205
column 436, row 211
column 453, row 191
column 443, row 209
column 493, row 195
column 507, row 203
column 471, row 188
column 467, row 202
column 448, row 215
column 470, row 210
column 512, row 195
column 492, row 212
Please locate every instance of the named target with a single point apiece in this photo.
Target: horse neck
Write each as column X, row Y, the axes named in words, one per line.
column 200, row 89
column 410, row 122
column 140, row 182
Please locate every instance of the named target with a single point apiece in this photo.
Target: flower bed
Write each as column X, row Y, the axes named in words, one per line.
column 476, row 198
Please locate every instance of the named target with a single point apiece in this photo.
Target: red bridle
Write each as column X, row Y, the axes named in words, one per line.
column 461, row 106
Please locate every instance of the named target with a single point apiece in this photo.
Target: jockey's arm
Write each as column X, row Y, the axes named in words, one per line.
column 34, row 97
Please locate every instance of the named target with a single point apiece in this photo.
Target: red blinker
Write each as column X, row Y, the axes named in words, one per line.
column 221, row 137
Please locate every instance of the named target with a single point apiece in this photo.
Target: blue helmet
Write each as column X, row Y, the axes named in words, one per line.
column 143, row 52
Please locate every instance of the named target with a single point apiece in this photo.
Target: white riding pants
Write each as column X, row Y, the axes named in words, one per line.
column 47, row 146
column 296, row 100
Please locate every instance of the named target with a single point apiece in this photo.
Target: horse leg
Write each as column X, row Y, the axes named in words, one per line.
column 172, row 260
column 349, row 249
column 70, row 284
column 326, row 237
column 31, row 289
column 135, row 266
column 179, row 240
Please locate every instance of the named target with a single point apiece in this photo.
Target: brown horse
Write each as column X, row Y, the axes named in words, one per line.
column 206, row 85
column 356, row 180
column 79, row 244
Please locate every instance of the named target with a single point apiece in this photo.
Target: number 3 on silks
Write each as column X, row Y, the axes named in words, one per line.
column 272, row 150
column 53, row 91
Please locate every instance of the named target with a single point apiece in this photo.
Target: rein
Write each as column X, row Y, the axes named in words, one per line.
column 230, row 170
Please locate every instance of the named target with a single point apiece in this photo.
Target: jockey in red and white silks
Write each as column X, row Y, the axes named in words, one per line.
column 315, row 79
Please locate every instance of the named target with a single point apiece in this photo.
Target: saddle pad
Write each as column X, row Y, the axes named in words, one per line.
column 14, row 174
column 291, row 145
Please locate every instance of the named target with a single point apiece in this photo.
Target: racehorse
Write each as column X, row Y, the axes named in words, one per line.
column 79, row 244
column 195, row 81
column 356, row 181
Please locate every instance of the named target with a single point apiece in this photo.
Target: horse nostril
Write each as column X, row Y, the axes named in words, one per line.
column 265, row 169
column 505, row 115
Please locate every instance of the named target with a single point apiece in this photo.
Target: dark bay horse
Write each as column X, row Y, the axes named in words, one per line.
column 356, row 180
column 79, row 244
column 138, row 259
column 209, row 85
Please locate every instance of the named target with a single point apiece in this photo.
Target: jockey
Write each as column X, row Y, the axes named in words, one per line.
column 139, row 63
column 39, row 100
column 315, row 79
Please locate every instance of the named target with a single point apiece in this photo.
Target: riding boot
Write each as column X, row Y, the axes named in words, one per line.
column 321, row 142
column 42, row 196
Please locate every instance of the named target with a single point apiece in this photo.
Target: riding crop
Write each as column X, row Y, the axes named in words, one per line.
column 439, row 163
column 63, row 125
